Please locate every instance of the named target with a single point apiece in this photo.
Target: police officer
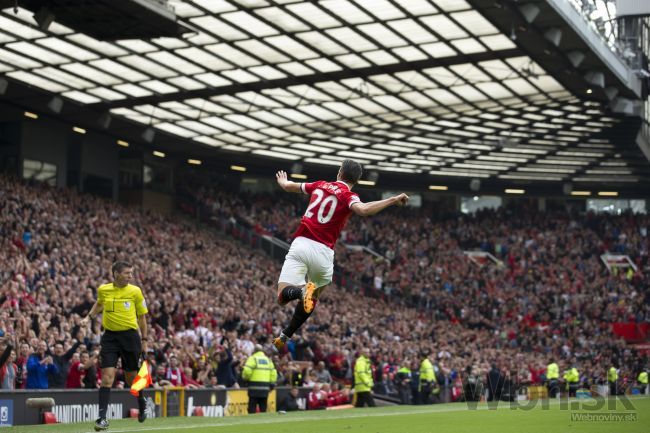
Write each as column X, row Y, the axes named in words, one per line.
column 403, row 380
column 572, row 380
column 642, row 378
column 552, row 377
column 612, row 379
column 261, row 376
column 363, row 381
column 427, row 378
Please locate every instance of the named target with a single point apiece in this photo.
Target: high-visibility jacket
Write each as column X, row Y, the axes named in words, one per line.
column 612, row 375
column 402, row 375
column 643, row 378
column 260, row 372
column 572, row 376
column 427, row 374
column 363, row 381
column 552, row 371
column 404, row 371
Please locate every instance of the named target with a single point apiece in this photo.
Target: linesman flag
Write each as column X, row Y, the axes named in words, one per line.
column 142, row 380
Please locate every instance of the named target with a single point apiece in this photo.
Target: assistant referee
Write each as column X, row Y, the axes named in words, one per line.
column 123, row 308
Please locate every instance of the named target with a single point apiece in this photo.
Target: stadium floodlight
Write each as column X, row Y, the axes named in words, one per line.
column 31, row 115
column 194, row 161
column 513, row 33
column 298, row 176
column 596, row 78
column 159, row 154
column 554, row 36
column 148, row 135
column 611, row 92
column 238, row 168
column 123, row 143
column 608, row 193
column 105, row 120
column 78, row 130
column 581, row 193
column 529, row 11
column 514, row 191
column 366, row 182
column 44, row 18
column 576, row 57
column 438, row 187
column 55, row 104
column 625, row 106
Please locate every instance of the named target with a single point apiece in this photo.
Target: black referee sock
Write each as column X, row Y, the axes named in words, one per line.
column 104, row 398
column 290, row 293
column 299, row 317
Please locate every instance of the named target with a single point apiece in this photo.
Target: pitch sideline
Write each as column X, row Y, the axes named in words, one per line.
column 243, row 420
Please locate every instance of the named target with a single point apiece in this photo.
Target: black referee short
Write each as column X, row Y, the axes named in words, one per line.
column 120, row 344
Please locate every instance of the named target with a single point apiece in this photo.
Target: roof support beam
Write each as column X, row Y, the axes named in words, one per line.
column 309, row 79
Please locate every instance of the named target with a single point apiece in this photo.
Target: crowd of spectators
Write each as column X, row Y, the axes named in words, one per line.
column 549, row 293
column 212, row 298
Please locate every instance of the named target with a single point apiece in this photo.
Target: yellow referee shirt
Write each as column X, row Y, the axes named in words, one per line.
column 122, row 306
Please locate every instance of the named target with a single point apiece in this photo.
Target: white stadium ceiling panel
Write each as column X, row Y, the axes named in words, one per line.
column 410, row 86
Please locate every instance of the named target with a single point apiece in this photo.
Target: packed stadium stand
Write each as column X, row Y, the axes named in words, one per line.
column 211, row 297
column 508, row 140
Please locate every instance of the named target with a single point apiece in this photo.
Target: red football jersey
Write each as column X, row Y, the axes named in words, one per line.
column 328, row 211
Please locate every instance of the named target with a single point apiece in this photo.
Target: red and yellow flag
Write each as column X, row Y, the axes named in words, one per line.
column 142, row 380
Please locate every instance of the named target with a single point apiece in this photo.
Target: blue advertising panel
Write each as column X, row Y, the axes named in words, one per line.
column 6, row 413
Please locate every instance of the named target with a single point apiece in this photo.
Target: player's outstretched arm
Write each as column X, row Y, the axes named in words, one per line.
column 286, row 184
column 373, row 207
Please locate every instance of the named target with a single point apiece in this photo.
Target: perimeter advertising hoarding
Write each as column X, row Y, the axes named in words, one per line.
column 6, row 413
column 71, row 405
column 81, row 405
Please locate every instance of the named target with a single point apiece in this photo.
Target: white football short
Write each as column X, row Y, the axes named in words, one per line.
column 307, row 260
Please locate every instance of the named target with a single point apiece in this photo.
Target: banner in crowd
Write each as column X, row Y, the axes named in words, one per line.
column 482, row 258
column 613, row 262
column 631, row 332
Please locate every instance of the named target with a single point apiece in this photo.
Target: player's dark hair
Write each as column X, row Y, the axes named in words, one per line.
column 351, row 171
column 119, row 266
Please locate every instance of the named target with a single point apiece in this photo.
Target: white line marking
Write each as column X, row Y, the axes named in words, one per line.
column 262, row 421
column 242, row 420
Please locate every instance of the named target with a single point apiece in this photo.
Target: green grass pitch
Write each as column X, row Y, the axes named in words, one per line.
column 444, row 418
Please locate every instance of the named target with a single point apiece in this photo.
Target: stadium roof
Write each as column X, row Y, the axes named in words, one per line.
column 407, row 86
